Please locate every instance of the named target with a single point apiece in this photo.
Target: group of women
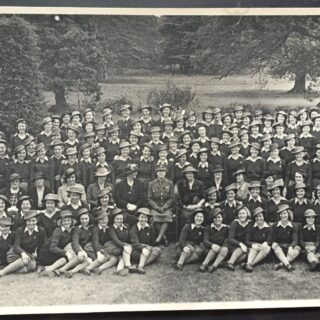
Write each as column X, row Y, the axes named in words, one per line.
column 228, row 186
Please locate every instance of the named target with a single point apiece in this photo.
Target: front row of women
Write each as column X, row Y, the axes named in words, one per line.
column 88, row 248
column 248, row 243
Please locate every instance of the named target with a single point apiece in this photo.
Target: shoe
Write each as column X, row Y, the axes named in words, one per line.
column 278, row 266
column 97, row 271
column 122, row 272
column 165, row 242
column 57, row 272
column 179, row 266
column 248, row 268
column 40, row 269
column 212, row 268
column 289, row 267
column 47, row 274
column 203, row 267
column 230, row 267
column 86, row 272
column 132, row 269
column 141, row 270
column 68, row 274
column 313, row 266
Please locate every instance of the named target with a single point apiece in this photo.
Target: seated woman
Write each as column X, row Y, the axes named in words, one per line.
column 104, row 204
column 215, row 241
column 121, row 242
column 190, row 247
column 24, row 204
column 82, row 235
column 160, row 199
column 285, row 239
column 4, row 205
column 310, row 239
column 49, row 217
column 74, row 203
column 101, row 244
column 29, row 240
column 6, row 239
column 258, row 239
column 59, row 251
column 236, row 238
column 242, row 185
column 143, row 241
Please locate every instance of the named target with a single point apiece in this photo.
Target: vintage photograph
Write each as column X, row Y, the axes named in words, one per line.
column 159, row 161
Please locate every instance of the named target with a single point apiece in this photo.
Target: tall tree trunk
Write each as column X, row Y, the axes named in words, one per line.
column 61, row 102
column 299, row 83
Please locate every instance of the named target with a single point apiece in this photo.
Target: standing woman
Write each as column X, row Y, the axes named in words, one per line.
column 190, row 247
column 310, row 239
column 254, row 165
column 160, row 200
column 204, row 168
column 107, row 118
column 20, row 137
column 4, row 163
column 24, row 204
column 258, row 239
column 101, row 162
column 65, row 122
column 28, row 244
column 215, row 240
column 285, row 237
column 143, row 241
column 113, row 143
column 242, row 185
column 275, row 164
column 145, row 165
column 72, row 135
column 120, row 162
column 176, row 170
column 202, row 136
column 229, row 206
column 315, row 168
column 237, row 237
column 234, row 161
column 45, row 135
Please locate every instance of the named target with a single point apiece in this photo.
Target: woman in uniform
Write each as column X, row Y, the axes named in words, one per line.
column 6, row 239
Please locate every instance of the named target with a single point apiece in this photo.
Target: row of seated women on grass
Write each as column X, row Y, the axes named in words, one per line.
column 93, row 248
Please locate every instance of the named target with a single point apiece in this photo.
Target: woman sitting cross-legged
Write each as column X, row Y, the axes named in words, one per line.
column 285, row 239
column 82, row 235
column 101, row 246
column 143, row 240
column 258, row 239
column 215, row 239
column 190, row 247
column 29, row 240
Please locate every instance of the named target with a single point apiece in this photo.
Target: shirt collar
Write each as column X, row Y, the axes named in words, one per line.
column 44, row 159
column 218, row 153
column 194, row 226
column 213, row 226
column 101, row 228
column 274, row 161
column 232, row 157
column 307, row 227
column 206, row 165
column 24, row 161
column 309, row 135
column 69, row 203
column 242, row 224
column 36, row 229
column 258, row 198
column 121, row 227
column 265, row 225
column 86, row 160
column 233, row 204
column 72, row 142
column 289, row 224
column 140, row 227
column 253, row 160
column 296, row 200
column 64, row 229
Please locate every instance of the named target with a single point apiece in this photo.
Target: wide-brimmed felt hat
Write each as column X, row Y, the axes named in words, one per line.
column 235, row 143
column 268, row 117
column 290, row 136
column 165, row 105
column 216, row 110
column 193, row 141
column 301, row 111
column 230, row 187
column 255, row 124
column 282, row 207
column 281, row 112
column 148, row 145
column 56, row 143
column 84, row 146
column 69, row 172
column 243, row 132
column 258, row 113
column 189, row 169
column 55, row 116
column 103, row 192
column 19, row 148
column 51, row 197
column 145, row 211
column 191, row 113
column 300, row 185
column 257, row 211
column 29, row 140
column 227, row 114
column 308, row 213
column 39, row 175
column 101, row 215
column 277, row 124
column 216, row 211
column 76, row 113
column 247, row 114
column 116, row 211
column 45, row 121
column 125, row 107
column 215, row 140
column 6, row 221
column 40, row 146
column 161, row 147
column 196, row 211
column 240, row 207
column 185, row 132
column 161, row 168
column 15, row 176
column 211, row 190
column 306, row 123
column 168, row 122
column 218, row 168
column 131, row 168
column 71, row 151
column 173, row 139
column 81, row 211
column 266, row 137
column 268, row 173
column 155, row 129
column 255, row 145
column 297, row 149
column 293, row 113
column 179, row 117
column 100, row 126
column 277, row 184
column 238, row 108
column 124, row 144
column 21, row 121
column 207, row 110
column 21, row 199
column 274, row 146
column 234, row 125
column 73, row 128
column 100, row 150
column 106, row 112
column 75, row 189
column 239, row 171
column 30, row 214
column 203, row 150
column 113, row 129
column 254, row 184
column 87, row 111
column 102, row 172
column 134, row 121
column 227, row 132
column 89, row 134
column 145, row 106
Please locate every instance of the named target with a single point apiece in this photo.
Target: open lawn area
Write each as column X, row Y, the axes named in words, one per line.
column 266, row 92
column 161, row 284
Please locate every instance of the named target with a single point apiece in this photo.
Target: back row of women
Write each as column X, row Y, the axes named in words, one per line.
column 85, row 196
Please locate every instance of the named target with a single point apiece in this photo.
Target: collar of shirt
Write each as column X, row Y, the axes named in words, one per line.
column 102, row 228
column 5, row 236
column 289, row 224
column 317, row 201
column 24, row 161
column 253, row 160
column 43, row 133
column 68, row 162
column 315, row 129
column 274, row 160
column 258, row 198
column 78, row 204
column 280, row 137
column 265, row 225
column 101, row 165
column 313, row 227
column 233, row 204
column 296, row 200
column 125, row 119
column 316, row 160
column 72, row 142
column 63, row 229
column 264, row 149
column 86, row 160
column 277, row 202
column 165, row 135
column 45, row 158
column 309, row 135
column 205, row 165
column 161, row 162
column 135, row 148
column 193, row 155
column 140, row 227
column 203, row 140
column 193, row 225
column 207, row 204
column 242, row 224
column 146, row 120
column 120, row 227
column 142, row 159
column 258, row 135
column 36, row 229
column 292, row 126
column 61, row 157
column 5, row 157
column 213, row 226
column 235, row 158
column 218, row 153
column 114, row 141
column 303, row 162
column 84, row 227
column 52, row 214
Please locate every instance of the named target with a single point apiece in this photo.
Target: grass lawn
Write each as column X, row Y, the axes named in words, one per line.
column 161, row 284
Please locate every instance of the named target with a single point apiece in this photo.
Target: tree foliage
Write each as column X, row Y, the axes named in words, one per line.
column 19, row 73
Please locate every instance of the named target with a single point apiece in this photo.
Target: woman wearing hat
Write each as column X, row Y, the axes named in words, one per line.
column 266, row 141
column 101, row 163
column 120, row 162
column 211, row 203
column 6, row 239
column 226, row 122
column 281, row 117
column 315, row 168
column 160, row 200
column 255, row 198
column 49, row 217
column 207, row 118
column 124, row 123
column 21, row 166
column 245, row 145
column 204, row 168
column 100, row 184
column 286, row 152
column 146, row 120
column 65, row 122
column 309, row 237
column 230, row 205
column 168, row 133
column 72, row 163
column 191, row 123
column 39, row 191
column 107, row 118
column 179, row 124
column 285, row 239
column 275, row 164
column 292, row 126
column 241, row 185
column 299, row 204
column 238, row 114
column 58, row 252
column 23, row 205
column 57, row 159
column 101, row 246
column 192, row 156
column 72, row 138
column 75, row 202
column 29, row 241
column 258, row 239
column 104, row 203
column 113, row 143
column 190, row 247
column 236, row 238
column 69, row 181
column 190, row 194
column 81, row 237
column 121, row 242
column 186, row 139
column 176, row 170
column 267, row 121
column 20, row 137
column 234, row 128
column 254, row 165
column 255, row 135
column 143, row 241
column 86, row 165
column 173, row 149
column 100, row 138
column 306, row 139
column 135, row 147
column 45, row 135
column 275, row 201
column 215, row 241
column 279, row 136
column 216, row 157
column 4, row 162
column 76, row 120
column 165, row 113
column 203, row 136
column 234, row 160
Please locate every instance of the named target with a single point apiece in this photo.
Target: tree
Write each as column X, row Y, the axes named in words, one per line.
column 285, row 46
column 19, row 74
column 70, row 56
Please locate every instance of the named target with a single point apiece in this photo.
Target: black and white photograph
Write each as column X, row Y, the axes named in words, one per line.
column 159, row 161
